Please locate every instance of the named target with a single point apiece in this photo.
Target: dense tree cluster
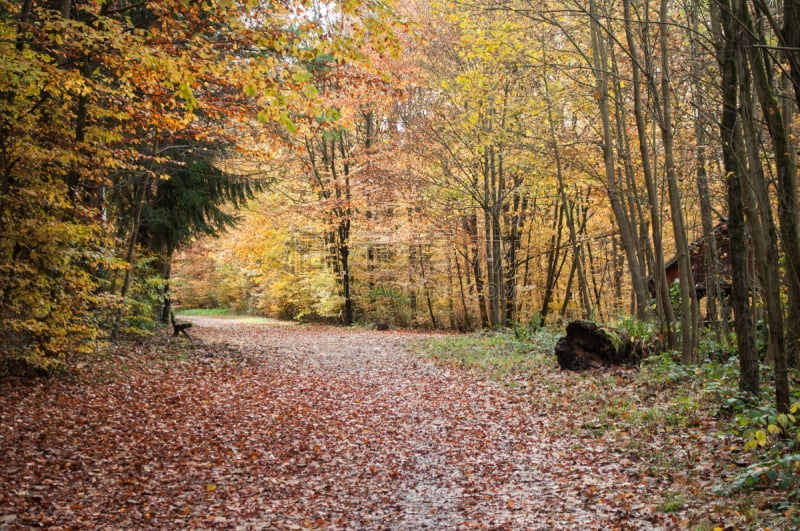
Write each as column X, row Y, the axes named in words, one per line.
column 517, row 163
column 123, row 125
column 545, row 160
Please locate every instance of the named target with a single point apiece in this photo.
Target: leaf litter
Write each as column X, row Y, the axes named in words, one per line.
column 261, row 426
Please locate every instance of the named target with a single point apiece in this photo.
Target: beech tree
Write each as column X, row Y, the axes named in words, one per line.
column 475, row 132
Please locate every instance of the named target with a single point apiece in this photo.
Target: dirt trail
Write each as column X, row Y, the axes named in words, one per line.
column 428, row 447
column 287, row 427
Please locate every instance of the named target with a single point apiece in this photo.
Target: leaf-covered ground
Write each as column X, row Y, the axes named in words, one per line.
column 283, row 426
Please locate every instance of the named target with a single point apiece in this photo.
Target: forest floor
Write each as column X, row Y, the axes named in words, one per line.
column 263, row 425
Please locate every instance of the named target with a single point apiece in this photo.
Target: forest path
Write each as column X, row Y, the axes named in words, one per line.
column 285, row 426
column 381, row 438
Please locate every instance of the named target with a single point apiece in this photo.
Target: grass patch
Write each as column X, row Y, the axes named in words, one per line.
column 228, row 314
column 251, row 319
column 498, row 354
column 673, row 502
column 206, row 312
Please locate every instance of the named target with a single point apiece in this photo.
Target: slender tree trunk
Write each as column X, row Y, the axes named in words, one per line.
column 492, row 295
column 426, row 288
column 521, row 301
column 515, row 221
column 689, row 311
column 618, row 261
column 167, row 275
column 733, row 154
column 343, row 231
column 412, row 292
column 791, row 44
column 700, row 123
column 471, row 227
column 577, row 250
column 498, row 281
column 792, row 321
column 645, row 250
column 629, row 241
column 758, row 208
column 568, row 289
column 467, row 321
column 492, row 234
column 130, row 255
column 553, row 258
column 663, row 299
column 788, row 209
column 787, row 192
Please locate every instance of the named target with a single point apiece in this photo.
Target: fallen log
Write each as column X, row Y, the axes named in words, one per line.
column 588, row 346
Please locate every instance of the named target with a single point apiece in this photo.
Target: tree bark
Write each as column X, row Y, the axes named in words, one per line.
column 733, row 154
column 711, row 256
column 787, row 191
column 577, row 251
column 130, row 255
column 663, row 300
column 758, row 210
column 471, row 227
column 689, row 312
column 600, row 70
column 554, row 262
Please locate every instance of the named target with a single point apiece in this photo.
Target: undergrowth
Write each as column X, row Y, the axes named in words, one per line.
column 499, row 354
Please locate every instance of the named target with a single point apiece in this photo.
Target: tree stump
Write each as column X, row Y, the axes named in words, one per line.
column 588, row 346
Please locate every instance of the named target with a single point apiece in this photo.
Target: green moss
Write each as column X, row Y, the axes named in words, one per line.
column 613, row 338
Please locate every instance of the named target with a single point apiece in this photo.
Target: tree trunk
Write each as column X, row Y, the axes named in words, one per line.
column 471, row 227
column 635, row 211
column 467, row 320
column 166, row 309
column 763, row 232
column 426, row 287
column 130, row 255
column 733, row 154
column 554, row 261
column 629, row 241
column 689, row 312
column 664, row 308
column 712, row 290
column 514, row 223
column 787, row 191
column 343, row 233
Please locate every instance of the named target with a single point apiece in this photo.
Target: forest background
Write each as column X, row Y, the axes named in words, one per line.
column 435, row 164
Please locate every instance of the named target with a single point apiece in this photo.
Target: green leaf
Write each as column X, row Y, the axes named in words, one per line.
column 288, row 124
column 186, row 93
column 301, row 76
